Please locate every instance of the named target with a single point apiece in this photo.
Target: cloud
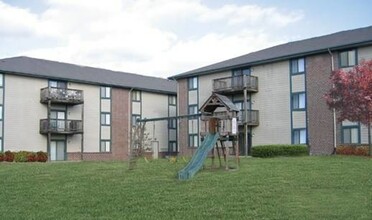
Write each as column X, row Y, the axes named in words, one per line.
column 15, row 22
column 153, row 37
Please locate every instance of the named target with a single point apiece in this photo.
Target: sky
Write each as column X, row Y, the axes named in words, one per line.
column 165, row 37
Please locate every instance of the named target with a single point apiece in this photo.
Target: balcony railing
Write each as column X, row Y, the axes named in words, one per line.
column 235, row 84
column 253, row 117
column 58, row 126
column 58, row 95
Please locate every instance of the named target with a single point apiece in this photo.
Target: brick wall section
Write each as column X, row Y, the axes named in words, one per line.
column 320, row 117
column 89, row 156
column 119, row 128
column 182, row 110
column 120, row 124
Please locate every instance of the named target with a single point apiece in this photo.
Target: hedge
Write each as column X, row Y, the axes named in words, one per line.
column 279, row 150
column 24, row 156
column 359, row 150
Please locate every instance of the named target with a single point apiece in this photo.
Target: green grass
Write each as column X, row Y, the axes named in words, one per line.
column 277, row 188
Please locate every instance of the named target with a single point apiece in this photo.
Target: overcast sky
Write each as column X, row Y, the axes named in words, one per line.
column 165, row 37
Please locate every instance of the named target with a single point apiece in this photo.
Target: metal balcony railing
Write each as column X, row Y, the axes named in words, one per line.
column 58, row 95
column 235, row 84
column 60, row 126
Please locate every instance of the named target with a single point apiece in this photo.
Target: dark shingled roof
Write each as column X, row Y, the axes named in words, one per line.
column 336, row 41
column 40, row 68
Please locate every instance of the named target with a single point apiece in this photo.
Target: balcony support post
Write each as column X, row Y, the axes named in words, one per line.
column 48, row 129
column 82, row 134
column 245, row 120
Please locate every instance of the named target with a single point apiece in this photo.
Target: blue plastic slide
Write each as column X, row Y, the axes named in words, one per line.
column 199, row 157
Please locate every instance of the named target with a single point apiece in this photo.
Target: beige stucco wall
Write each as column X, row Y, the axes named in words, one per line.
column 22, row 114
column 206, row 85
column 298, row 83
column 136, row 108
column 91, row 118
column 154, row 106
column 299, row 119
column 172, row 110
column 193, row 97
column 1, row 94
column 365, row 53
column 105, row 132
column 273, row 102
column 105, row 105
column 73, row 143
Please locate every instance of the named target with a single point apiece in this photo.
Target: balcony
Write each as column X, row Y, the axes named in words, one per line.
column 253, row 117
column 57, row 126
column 61, row 96
column 235, row 84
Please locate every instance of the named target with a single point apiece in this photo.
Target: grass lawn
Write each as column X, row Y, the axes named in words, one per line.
column 280, row 188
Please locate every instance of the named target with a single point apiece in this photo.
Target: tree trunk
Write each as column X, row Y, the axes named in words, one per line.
column 369, row 139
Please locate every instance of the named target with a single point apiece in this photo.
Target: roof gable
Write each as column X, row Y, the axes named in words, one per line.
column 215, row 101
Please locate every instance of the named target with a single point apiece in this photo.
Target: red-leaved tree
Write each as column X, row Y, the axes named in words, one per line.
column 351, row 95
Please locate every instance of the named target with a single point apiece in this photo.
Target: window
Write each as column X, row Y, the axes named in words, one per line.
column 193, row 109
column 172, row 123
column 299, row 136
column 193, row 140
column 298, row 101
column 350, row 135
column 193, row 83
column 172, row 146
column 347, row 58
column 240, row 72
column 1, row 112
column 136, row 96
column 172, row 100
column 105, row 146
column 57, row 84
column 134, row 119
column 298, row 66
column 105, row 92
column 1, row 80
column 105, row 118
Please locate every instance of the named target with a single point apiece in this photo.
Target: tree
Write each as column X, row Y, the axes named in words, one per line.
column 140, row 143
column 351, row 95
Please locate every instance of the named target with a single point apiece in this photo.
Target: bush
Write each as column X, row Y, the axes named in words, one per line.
column 24, row 156
column 21, row 156
column 359, row 150
column 41, row 156
column 9, row 156
column 279, row 150
column 31, row 157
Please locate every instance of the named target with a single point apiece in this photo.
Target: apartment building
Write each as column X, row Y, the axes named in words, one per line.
column 80, row 113
column 280, row 91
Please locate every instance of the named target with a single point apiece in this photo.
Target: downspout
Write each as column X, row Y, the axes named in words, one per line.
column 130, row 123
column 177, row 121
column 333, row 109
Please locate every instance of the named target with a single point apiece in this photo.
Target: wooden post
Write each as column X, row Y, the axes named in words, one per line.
column 49, row 134
column 236, row 149
column 369, row 139
column 245, row 121
column 82, row 134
